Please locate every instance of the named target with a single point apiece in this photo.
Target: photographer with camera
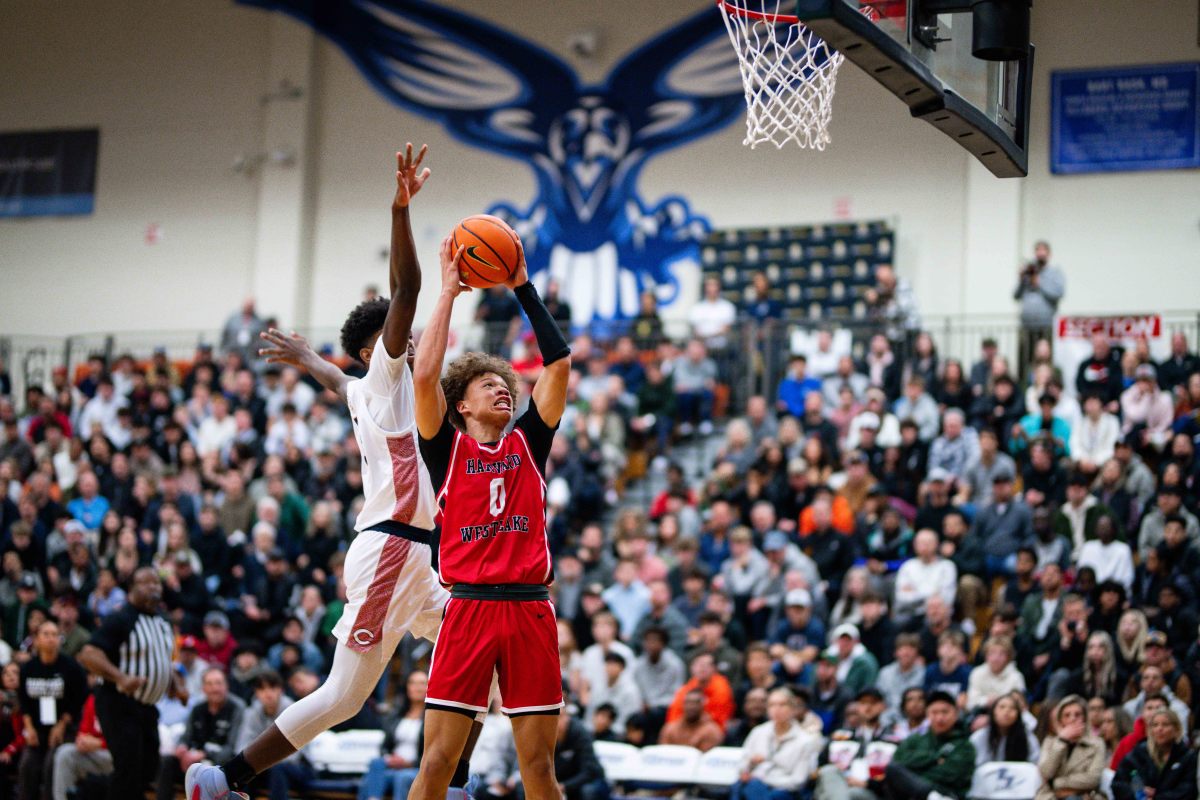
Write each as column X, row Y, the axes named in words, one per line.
column 1040, row 288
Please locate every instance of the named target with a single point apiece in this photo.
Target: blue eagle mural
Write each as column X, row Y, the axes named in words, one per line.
column 586, row 144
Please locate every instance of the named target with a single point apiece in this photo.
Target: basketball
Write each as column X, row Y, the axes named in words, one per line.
column 492, row 251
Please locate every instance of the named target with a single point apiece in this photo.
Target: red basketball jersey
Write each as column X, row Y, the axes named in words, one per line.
column 493, row 503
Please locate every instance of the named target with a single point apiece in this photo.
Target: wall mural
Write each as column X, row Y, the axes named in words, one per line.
column 586, row 144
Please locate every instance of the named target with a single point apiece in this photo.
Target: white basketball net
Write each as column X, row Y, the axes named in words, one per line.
column 788, row 73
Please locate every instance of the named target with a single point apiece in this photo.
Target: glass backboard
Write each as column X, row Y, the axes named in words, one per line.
column 926, row 60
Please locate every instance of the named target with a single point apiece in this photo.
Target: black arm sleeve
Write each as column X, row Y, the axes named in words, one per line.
column 435, row 453
column 549, row 335
column 538, row 433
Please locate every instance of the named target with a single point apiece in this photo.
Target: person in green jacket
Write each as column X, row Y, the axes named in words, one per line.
column 857, row 668
column 934, row 765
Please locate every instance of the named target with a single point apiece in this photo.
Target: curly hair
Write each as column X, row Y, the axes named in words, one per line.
column 467, row 368
column 362, row 323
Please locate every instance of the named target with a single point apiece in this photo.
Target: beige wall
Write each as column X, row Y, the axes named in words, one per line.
column 175, row 90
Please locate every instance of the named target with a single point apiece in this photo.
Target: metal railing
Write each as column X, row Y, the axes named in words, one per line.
column 753, row 358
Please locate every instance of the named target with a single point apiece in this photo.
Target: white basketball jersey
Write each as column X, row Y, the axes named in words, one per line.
column 395, row 481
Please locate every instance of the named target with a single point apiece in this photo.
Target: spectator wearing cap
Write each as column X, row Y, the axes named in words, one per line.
column 924, row 575
column 795, row 387
column 932, row 765
column 848, row 744
column 694, row 728
column 190, row 665
column 628, row 598
column 1146, row 409
column 958, row 446
column 779, row 755
column 827, row 696
column 1094, row 436
column 799, row 635
column 184, row 592
column 876, row 417
column 718, row 694
column 1157, row 654
column 1003, row 526
column 857, row 667
column 919, row 406
column 1169, row 503
column 217, row 645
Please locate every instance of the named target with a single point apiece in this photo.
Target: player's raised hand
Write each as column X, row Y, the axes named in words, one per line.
column 409, row 175
column 451, row 259
column 285, row 349
column 520, row 275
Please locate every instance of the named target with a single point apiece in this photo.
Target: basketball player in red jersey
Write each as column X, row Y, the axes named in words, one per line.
column 493, row 552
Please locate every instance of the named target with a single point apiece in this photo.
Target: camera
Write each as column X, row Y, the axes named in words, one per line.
column 1072, row 625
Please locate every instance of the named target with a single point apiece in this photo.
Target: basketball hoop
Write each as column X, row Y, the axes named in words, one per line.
column 788, row 73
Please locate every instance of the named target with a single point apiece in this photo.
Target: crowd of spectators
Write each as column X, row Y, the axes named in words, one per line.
column 966, row 563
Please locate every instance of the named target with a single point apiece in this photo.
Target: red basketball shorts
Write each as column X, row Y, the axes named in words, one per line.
column 517, row 639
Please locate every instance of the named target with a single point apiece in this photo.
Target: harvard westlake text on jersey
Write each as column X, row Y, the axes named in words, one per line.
column 477, row 466
column 514, row 524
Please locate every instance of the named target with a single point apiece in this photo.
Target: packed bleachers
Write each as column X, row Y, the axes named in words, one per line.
column 878, row 521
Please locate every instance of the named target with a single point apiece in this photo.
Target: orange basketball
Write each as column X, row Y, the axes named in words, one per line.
column 491, row 254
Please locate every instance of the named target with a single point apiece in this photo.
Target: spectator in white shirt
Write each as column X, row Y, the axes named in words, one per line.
column 1093, row 439
column 618, row 689
column 1148, row 408
column 1112, row 560
column 923, row 576
column 713, row 316
column 289, row 428
column 217, row 431
column 604, row 631
column 291, row 390
column 779, row 755
column 101, row 411
column 996, row 677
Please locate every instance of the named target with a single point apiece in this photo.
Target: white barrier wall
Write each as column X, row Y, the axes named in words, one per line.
column 175, row 89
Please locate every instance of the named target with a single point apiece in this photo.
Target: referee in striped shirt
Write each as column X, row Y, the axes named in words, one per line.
column 131, row 654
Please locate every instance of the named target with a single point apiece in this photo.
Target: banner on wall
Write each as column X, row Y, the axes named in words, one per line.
column 48, row 173
column 1122, row 119
column 1073, row 339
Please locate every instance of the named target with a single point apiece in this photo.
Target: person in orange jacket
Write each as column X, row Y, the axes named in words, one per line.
column 843, row 515
column 718, row 694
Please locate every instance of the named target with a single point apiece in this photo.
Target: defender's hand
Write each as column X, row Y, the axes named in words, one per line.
column 284, row 349
column 408, row 179
column 520, row 275
column 452, row 267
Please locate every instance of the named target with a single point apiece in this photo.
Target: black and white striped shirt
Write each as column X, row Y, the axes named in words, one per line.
column 141, row 645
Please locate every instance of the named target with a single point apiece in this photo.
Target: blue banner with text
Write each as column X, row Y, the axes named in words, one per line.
column 1121, row 119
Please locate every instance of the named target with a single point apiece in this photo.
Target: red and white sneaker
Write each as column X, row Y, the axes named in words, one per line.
column 205, row 782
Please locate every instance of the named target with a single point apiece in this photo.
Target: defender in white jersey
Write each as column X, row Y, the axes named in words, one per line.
column 390, row 587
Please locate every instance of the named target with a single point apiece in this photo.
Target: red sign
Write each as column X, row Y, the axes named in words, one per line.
column 1131, row 326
